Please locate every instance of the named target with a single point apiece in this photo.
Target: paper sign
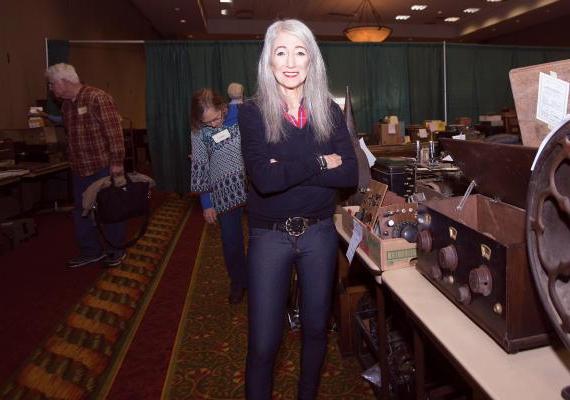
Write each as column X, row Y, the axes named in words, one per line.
column 422, row 133
column 355, row 240
column 81, row 110
column 369, row 156
column 552, row 101
column 391, row 129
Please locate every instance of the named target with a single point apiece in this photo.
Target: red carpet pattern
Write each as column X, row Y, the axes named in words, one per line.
column 80, row 358
column 209, row 355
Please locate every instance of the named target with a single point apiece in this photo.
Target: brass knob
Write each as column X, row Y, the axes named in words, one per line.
column 463, row 294
column 481, row 280
column 424, row 241
column 448, row 258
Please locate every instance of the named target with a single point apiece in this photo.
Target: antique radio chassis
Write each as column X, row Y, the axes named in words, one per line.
column 399, row 173
column 473, row 248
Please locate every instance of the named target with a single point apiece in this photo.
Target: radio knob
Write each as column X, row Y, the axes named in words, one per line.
column 448, row 258
column 435, row 272
column 481, row 280
column 424, row 241
column 463, row 294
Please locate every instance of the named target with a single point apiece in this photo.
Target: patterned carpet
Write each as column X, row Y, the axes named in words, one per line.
column 209, row 355
column 80, row 359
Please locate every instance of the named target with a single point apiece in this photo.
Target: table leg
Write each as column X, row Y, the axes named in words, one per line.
column 419, row 360
column 382, row 342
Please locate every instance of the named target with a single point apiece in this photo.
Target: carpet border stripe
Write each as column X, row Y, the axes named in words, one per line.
column 171, row 368
column 118, row 362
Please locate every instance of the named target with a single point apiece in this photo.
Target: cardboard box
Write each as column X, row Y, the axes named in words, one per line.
column 389, row 134
column 387, row 254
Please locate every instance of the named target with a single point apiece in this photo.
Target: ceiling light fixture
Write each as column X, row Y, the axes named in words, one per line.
column 451, row 19
column 182, row 21
column 224, row 11
column 402, row 17
column 471, row 10
column 226, row 1
column 494, row 1
column 367, row 27
column 418, row 7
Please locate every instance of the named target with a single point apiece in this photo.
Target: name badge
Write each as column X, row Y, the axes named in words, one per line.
column 81, row 110
column 221, row 136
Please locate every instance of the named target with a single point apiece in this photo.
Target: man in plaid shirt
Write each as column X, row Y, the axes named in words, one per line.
column 96, row 149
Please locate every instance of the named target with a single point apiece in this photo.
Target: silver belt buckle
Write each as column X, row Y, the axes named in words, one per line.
column 296, row 226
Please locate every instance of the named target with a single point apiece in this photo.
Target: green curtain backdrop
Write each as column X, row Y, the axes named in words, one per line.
column 387, row 79
column 400, row 79
column 174, row 71
column 478, row 76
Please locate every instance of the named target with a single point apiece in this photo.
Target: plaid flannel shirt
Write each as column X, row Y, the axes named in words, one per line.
column 94, row 132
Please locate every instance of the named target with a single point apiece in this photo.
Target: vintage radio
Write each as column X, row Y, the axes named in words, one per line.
column 399, row 173
column 473, row 248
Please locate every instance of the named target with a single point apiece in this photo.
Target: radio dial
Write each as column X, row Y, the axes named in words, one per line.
column 424, row 241
column 481, row 280
column 448, row 258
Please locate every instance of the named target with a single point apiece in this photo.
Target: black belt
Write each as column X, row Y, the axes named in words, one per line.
column 294, row 226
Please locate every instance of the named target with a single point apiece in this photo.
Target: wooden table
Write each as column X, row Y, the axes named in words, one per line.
column 37, row 172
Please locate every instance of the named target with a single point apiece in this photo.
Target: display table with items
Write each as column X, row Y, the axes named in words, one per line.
column 539, row 373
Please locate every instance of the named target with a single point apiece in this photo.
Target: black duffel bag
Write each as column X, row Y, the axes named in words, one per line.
column 119, row 204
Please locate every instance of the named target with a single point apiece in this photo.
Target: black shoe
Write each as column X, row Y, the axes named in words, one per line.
column 236, row 296
column 112, row 260
column 80, row 261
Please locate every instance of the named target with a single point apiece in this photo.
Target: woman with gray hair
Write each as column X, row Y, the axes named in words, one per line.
column 297, row 152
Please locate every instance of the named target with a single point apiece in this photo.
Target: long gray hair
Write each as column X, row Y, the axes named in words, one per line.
column 316, row 95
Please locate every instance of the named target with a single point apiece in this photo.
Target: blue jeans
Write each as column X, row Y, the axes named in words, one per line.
column 232, row 245
column 271, row 256
column 86, row 233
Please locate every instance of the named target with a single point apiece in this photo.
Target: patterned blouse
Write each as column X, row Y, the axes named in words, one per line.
column 217, row 165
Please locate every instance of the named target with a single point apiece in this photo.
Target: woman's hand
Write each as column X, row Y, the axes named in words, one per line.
column 333, row 160
column 210, row 215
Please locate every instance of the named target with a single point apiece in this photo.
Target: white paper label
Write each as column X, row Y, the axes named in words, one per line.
column 552, row 101
column 355, row 240
column 422, row 133
column 391, row 129
column 81, row 110
column 221, row 136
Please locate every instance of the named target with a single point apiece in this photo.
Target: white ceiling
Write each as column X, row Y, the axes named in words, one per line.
column 328, row 18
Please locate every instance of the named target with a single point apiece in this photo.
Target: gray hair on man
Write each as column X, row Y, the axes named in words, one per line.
column 316, row 95
column 58, row 72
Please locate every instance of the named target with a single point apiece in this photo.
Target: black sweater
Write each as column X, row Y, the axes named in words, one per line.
column 294, row 185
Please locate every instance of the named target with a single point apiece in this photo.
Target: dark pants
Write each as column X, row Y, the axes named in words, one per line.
column 232, row 244
column 271, row 255
column 86, row 233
